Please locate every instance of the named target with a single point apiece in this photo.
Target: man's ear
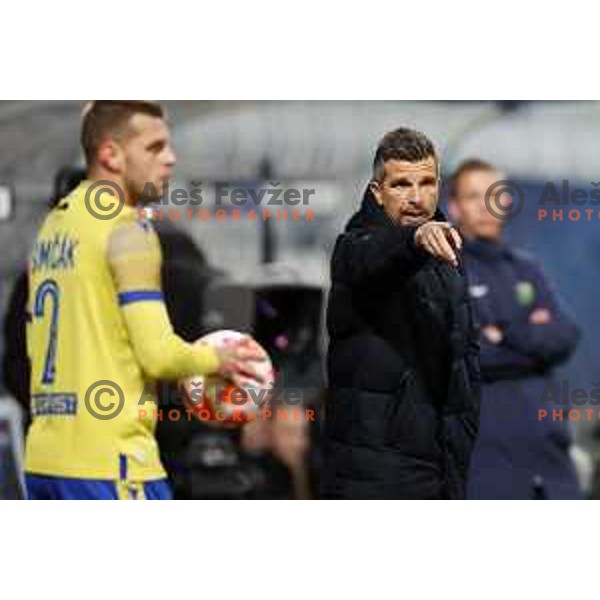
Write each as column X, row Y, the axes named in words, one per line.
column 110, row 156
column 376, row 191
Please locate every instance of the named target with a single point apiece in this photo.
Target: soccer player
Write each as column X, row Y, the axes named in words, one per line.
column 98, row 329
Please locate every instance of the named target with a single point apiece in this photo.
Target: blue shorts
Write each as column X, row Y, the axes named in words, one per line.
column 42, row 487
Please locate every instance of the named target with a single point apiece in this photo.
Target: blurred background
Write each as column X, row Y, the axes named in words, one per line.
column 271, row 279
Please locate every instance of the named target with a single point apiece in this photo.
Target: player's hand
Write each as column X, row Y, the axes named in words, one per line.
column 289, row 442
column 540, row 316
column 236, row 362
column 440, row 239
column 493, row 334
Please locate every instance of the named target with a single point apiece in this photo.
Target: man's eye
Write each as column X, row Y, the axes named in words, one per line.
column 403, row 183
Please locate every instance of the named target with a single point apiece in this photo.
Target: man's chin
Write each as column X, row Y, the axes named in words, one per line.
column 489, row 236
column 151, row 193
column 488, row 233
column 413, row 220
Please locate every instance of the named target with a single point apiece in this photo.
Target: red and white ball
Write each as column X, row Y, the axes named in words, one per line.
column 216, row 400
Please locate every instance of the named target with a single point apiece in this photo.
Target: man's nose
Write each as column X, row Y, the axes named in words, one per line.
column 416, row 196
column 505, row 200
column 170, row 158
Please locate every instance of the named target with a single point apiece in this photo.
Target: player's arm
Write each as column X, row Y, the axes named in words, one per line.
column 134, row 258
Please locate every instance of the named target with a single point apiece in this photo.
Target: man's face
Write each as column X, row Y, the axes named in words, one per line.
column 408, row 191
column 468, row 208
column 147, row 154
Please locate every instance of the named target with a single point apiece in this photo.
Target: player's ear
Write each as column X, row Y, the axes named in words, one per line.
column 110, row 156
column 376, row 191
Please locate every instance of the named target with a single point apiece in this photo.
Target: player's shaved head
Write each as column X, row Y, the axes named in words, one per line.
column 104, row 119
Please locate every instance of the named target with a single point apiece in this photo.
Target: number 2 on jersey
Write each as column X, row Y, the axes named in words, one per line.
column 48, row 289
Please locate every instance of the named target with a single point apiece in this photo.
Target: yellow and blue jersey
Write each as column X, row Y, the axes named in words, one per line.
column 77, row 337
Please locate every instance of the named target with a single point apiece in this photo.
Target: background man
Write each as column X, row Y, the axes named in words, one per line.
column 524, row 335
column 402, row 412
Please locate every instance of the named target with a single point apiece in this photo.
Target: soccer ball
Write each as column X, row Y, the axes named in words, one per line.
column 217, row 401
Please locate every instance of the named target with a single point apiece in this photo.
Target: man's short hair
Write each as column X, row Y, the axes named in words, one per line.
column 467, row 166
column 111, row 117
column 402, row 144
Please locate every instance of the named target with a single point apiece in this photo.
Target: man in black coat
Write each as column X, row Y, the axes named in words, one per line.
column 403, row 405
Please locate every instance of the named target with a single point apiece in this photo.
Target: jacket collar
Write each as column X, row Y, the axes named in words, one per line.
column 487, row 249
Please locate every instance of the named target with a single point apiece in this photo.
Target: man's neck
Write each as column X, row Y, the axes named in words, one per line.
column 478, row 238
column 100, row 174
